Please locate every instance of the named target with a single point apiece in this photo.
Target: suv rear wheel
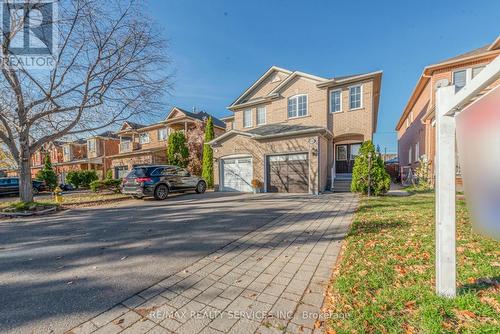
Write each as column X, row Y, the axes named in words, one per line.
column 201, row 187
column 35, row 191
column 161, row 192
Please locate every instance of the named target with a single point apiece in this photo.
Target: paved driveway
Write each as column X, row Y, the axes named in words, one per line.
column 58, row 272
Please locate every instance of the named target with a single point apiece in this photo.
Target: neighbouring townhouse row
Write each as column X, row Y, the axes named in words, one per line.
column 416, row 127
column 296, row 132
column 134, row 144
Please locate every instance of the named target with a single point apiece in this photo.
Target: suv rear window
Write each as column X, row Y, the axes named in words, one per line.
column 140, row 172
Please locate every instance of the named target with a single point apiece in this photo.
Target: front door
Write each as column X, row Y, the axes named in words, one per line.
column 344, row 157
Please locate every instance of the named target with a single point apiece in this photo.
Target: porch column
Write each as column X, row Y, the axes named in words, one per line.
column 445, row 194
column 185, row 127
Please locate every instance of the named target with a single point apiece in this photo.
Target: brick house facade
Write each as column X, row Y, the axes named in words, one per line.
column 296, row 132
column 416, row 126
column 147, row 144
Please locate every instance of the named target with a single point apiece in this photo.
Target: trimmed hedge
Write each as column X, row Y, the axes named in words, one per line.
column 81, row 178
column 107, row 184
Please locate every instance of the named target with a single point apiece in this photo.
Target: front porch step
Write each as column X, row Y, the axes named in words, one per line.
column 342, row 185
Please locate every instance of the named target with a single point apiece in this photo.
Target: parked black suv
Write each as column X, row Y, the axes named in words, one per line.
column 159, row 180
column 10, row 186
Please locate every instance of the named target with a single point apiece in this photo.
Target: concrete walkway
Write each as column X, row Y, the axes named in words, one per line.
column 271, row 280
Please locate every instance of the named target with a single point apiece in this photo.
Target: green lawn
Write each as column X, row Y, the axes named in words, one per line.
column 385, row 278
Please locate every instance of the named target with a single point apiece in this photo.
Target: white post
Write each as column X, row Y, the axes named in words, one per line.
column 445, row 194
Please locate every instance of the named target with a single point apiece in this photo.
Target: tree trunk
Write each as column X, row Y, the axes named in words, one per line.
column 25, row 182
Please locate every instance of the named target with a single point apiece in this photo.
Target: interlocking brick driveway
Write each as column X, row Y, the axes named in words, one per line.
column 271, row 280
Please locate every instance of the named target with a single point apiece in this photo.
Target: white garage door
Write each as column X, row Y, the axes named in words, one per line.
column 237, row 174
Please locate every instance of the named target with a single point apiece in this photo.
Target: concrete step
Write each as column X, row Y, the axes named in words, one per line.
column 342, row 185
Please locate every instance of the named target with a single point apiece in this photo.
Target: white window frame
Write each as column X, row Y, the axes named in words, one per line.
column 249, row 111
column 417, row 151
column 146, row 135
column 92, row 145
column 165, row 131
column 468, row 75
column 481, row 67
column 360, row 97
column 410, row 154
column 296, row 98
column 340, row 101
column 257, row 115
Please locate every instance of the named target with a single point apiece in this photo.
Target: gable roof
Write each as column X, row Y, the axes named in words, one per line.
column 200, row 115
column 485, row 52
column 292, row 76
column 271, row 70
column 321, row 83
column 132, row 125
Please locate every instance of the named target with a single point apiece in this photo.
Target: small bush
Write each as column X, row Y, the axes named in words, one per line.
column 108, row 184
column 376, row 178
column 82, row 178
column 109, row 174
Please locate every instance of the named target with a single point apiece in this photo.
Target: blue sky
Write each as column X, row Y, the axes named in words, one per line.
column 218, row 48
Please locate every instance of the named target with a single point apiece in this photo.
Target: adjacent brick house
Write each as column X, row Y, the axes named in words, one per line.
column 82, row 154
column 416, row 126
column 146, row 144
column 296, row 132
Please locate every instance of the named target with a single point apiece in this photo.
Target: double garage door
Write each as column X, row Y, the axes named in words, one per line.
column 285, row 173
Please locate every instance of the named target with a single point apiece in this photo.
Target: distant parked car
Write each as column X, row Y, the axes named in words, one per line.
column 66, row 187
column 160, row 180
column 10, row 186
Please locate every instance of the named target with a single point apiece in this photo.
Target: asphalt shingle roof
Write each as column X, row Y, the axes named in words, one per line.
column 201, row 115
column 276, row 129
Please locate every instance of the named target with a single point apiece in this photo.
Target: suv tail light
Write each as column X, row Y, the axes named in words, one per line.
column 143, row 179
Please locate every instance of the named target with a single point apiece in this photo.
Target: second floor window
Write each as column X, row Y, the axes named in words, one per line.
column 91, row 145
column 459, row 79
column 144, row 138
column 261, row 115
column 66, row 150
column 247, row 118
column 476, row 71
column 336, row 100
column 297, row 106
column 162, row 134
column 355, row 97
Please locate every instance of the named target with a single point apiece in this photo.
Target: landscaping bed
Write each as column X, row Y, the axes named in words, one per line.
column 385, row 278
column 27, row 209
column 72, row 200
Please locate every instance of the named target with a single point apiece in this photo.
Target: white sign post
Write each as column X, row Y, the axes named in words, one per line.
column 448, row 104
column 445, row 194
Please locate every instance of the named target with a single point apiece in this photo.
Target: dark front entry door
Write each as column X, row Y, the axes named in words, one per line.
column 344, row 157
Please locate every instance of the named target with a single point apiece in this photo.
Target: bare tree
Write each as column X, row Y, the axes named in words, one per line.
column 110, row 66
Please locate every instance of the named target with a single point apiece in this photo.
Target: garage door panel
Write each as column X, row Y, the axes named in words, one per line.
column 288, row 173
column 237, row 174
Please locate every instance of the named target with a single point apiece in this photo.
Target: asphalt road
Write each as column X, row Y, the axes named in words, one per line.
column 58, row 271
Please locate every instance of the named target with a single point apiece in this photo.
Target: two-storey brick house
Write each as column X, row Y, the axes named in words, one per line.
column 416, row 127
column 146, row 144
column 296, row 132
